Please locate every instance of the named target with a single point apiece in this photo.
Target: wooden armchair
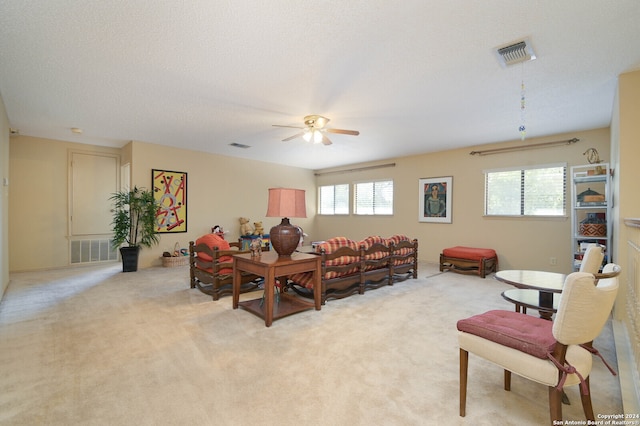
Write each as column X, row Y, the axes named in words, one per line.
column 404, row 256
column 211, row 270
column 340, row 271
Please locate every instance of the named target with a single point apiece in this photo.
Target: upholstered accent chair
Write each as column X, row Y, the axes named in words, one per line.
column 592, row 259
column 555, row 354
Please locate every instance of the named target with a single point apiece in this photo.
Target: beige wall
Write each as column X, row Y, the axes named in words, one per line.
column 220, row 191
column 628, row 173
column 520, row 243
column 4, row 199
column 625, row 149
column 625, row 128
column 39, row 206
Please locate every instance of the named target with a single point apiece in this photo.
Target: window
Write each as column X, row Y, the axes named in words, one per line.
column 534, row 191
column 373, row 198
column 334, row 199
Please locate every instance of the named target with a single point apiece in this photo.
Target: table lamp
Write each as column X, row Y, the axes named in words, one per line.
column 285, row 203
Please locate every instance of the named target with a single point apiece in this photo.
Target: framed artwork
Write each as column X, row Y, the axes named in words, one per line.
column 435, row 199
column 170, row 191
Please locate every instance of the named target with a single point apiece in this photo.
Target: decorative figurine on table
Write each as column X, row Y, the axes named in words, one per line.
column 245, row 227
column 256, row 247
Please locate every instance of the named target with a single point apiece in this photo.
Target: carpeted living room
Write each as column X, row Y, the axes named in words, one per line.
column 96, row 346
column 410, row 133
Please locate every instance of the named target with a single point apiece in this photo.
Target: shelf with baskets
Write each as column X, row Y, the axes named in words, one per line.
column 590, row 210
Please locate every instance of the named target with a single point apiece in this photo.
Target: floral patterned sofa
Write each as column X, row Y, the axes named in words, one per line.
column 350, row 267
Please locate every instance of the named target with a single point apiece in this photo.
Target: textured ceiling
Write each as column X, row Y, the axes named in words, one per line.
column 412, row 76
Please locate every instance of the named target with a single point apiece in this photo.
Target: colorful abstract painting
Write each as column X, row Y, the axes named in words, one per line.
column 170, row 191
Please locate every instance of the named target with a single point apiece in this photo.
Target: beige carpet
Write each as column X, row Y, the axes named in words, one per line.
column 95, row 346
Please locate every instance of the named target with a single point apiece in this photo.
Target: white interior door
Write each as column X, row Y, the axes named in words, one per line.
column 94, row 180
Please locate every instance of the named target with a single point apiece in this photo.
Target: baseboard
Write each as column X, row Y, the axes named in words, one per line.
column 627, row 372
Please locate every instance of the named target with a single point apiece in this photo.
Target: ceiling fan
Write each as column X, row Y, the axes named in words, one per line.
column 314, row 130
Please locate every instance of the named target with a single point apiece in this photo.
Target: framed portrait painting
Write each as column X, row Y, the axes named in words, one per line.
column 435, row 199
column 170, row 192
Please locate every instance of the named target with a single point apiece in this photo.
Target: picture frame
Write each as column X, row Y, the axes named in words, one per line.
column 435, row 195
column 170, row 192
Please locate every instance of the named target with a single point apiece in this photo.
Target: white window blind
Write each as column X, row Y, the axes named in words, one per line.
column 531, row 191
column 334, row 199
column 373, row 198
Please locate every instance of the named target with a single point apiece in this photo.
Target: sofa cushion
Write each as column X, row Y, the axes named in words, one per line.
column 525, row 333
column 402, row 255
column 305, row 279
column 333, row 244
column 370, row 241
column 377, row 254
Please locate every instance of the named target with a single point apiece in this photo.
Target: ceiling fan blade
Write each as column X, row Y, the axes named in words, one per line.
column 325, row 140
column 343, row 132
column 297, row 135
column 290, row 127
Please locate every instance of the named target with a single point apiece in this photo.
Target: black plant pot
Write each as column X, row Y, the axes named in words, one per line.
column 129, row 258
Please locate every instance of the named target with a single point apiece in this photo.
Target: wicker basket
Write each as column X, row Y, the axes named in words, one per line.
column 593, row 229
column 176, row 260
column 169, row 262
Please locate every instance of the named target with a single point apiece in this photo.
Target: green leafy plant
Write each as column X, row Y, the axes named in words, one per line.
column 134, row 218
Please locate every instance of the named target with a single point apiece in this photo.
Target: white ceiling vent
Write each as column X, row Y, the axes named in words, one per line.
column 515, row 53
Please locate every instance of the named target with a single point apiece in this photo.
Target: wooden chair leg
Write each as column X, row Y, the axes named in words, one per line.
column 507, row 380
column 555, row 404
column 586, row 402
column 464, row 364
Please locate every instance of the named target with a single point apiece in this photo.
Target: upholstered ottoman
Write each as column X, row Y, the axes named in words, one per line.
column 469, row 260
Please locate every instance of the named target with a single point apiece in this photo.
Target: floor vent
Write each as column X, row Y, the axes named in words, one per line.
column 88, row 251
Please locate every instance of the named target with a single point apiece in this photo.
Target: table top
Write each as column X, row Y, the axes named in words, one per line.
column 537, row 280
column 531, row 299
column 268, row 258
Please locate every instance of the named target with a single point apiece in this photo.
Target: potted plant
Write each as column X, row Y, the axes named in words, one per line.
column 133, row 224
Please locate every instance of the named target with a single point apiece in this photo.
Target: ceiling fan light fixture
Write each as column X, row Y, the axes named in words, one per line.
column 307, row 135
column 317, row 136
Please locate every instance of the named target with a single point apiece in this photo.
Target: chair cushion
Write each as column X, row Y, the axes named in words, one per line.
column 523, row 332
column 305, row 279
column 213, row 240
column 402, row 256
column 470, row 253
column 368, row 242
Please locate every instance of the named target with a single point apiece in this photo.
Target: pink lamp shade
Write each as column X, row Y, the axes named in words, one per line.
column 285, row 203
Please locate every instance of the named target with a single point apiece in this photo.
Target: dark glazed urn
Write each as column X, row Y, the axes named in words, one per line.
column 284, row 238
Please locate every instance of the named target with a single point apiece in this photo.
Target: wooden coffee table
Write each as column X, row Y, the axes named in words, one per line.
column 270, row 266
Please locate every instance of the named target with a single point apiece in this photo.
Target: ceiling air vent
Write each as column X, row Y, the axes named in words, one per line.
column 515, row 53
column 239, row 145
